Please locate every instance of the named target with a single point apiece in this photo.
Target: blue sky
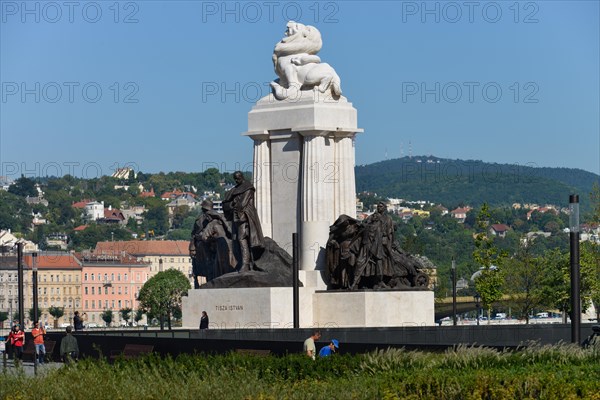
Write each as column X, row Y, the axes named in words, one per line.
column 90, row 86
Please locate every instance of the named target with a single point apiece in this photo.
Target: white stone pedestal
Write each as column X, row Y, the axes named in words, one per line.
column 256, row 308
column 374, row 308
column 303, row 169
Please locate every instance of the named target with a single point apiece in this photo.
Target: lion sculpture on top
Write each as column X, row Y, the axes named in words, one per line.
column 297, row 65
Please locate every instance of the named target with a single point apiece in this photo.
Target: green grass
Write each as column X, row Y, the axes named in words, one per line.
column 536, row 372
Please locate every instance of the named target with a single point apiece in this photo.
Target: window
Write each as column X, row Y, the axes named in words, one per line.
column 57, row 290
column 69, row 290
column 171, row 259
column 92, row 276
column 105, row 277
column 93, row 304
column 86, row 304
column 92, row 290
column 86, row 290
column 112, row 277
column 119, row 289
column 125, row 278
column 106, row 290
column 70, row 278
column 99, row 289
column 113, row 304
column 51, row 290
column 125, row 289
column 120, row 304
column 113, row 290
column 44, row 291
column 137, row 277
column 119, row 277
column 51, row 278
column 85, row 277
column 64, row 278
column 106, row 303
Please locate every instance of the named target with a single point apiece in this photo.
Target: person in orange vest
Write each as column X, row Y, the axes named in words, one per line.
column 38, row 340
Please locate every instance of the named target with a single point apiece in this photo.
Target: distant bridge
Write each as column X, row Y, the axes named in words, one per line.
column 443, row 307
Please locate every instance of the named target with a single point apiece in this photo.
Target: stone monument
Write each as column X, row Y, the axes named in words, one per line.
column 303, row 176
column 303, row 150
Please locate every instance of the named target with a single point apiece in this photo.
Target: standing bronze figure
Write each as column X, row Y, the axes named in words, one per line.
column 247, row 232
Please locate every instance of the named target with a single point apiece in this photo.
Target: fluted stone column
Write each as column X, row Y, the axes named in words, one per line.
column 315, row 204
column 262, row 182
column 344, row 186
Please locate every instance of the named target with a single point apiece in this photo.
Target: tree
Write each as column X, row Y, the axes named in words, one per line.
column 107, row 316
column 3, row 317
column 489, row 283
column 23, row 187
column 590, row 271
column 524, row 281
column 57, row 313
column 157, row 219
column 162, row 293
column 557, row 278
column 139, row 314
column 125, row 313
column 31, row 314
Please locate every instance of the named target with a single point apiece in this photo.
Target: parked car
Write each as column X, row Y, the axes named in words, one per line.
column 92, row 325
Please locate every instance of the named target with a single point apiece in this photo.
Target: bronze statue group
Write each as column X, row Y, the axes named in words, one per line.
column 360, row 254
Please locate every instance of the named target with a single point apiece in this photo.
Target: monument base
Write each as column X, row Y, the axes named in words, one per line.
column 255, row 308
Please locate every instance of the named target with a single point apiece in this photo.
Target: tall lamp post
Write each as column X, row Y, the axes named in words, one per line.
column 477, row 298
column 575, row 286
column 34, row 276
column 453, row 292
column 20, row 291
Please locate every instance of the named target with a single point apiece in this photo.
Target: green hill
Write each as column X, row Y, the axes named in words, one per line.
column 472, row 182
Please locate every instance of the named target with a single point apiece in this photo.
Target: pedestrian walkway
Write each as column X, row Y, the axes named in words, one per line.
column 27, row 367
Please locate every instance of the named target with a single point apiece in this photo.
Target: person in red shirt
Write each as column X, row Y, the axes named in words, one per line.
column 16, row 338
column 38, row 340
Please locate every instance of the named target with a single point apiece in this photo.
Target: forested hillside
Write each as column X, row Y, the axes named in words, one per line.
column 454, row 182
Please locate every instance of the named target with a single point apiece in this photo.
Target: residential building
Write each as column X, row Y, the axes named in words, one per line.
column 94, row 210
column 59, row 284
column 112, row 216
column 460, row 213
column 160, row 254
column 499, row 230
column 111, row 282
column 9, row 286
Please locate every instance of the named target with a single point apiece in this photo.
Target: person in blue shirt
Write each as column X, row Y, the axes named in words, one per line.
column 330, row 348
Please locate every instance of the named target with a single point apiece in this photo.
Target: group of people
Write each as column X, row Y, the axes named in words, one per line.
column 310, row 348
column 69, row 349
column 16, row 341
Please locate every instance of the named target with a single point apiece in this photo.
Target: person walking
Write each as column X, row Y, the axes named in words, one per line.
column 204, row 320
column 330, row 348
column 69, row 349
column 309, row 344
column 38, row 340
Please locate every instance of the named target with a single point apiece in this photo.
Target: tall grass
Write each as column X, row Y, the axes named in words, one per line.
column 537, row 372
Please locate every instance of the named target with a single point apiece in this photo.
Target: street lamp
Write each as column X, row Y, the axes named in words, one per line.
column 575, row 287
column 454, row 292
column 34, row 275
column 20, row 284
column 477, row 298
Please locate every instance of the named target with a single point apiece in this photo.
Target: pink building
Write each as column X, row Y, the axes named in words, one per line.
column 111, row 282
